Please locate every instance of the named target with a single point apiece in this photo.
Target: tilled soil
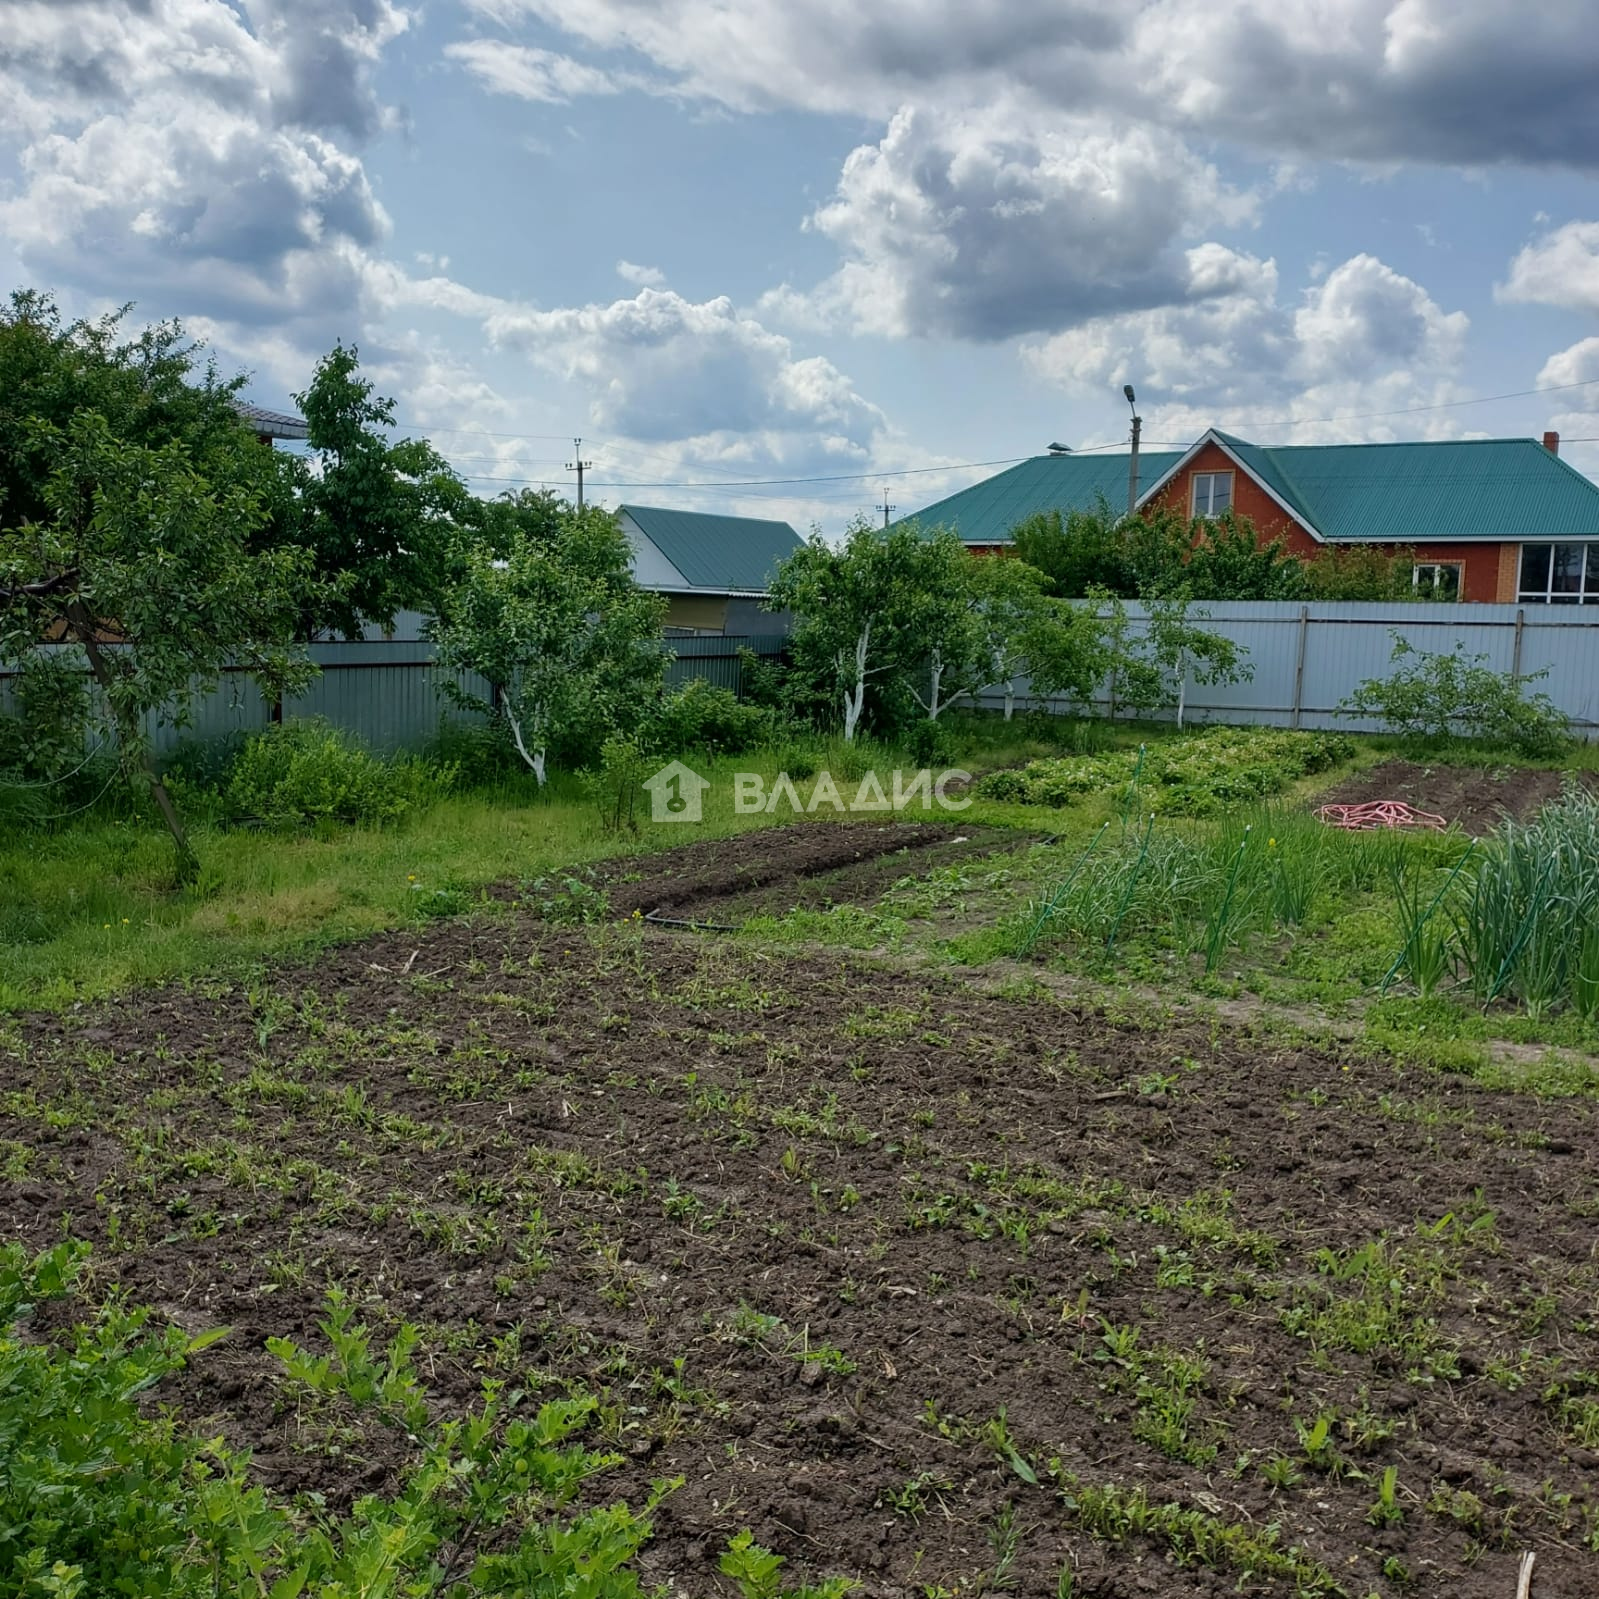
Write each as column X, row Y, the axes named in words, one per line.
column 1475, row 799
column 808, row 865
column 941, row 1288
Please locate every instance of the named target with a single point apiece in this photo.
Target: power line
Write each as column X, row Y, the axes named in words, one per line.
column 762, row 482
column 1408, row 410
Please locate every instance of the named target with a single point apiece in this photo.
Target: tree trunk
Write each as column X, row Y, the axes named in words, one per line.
column 855, row 696
column 1182, row 691
column 134, row 753
column 1010, row 698
column 937, row 679
column 537, row 758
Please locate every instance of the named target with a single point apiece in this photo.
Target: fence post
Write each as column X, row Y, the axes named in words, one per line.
column 1299, row 669
column 1515, row 653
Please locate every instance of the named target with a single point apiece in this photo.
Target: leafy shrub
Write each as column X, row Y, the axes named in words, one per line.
column 1200, row 775
column 1458, row 695
column 702, row 716
column 309, row 771
column 50, row 763
column 43, row 736
column 930, row 744
column 615, row 784
column 100, row 1495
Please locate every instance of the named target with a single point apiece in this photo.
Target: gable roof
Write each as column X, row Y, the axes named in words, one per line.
column 987, row 511
column 271, row 424
column 717, row 554
column 1455, row 490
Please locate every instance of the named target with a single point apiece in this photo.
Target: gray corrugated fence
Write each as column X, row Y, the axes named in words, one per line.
column 1309, row 658
column 387, row 692
column 1306, row 659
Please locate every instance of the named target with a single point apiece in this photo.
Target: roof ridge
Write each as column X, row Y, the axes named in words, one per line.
column 1409, row 444
column 720, row 516
column 1298, row 494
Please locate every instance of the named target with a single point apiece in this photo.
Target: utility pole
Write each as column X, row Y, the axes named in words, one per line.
column 888, row 510
column 580, row 466
column 1132, row 460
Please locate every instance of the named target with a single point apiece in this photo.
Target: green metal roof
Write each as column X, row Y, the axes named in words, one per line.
column 1457, row 489
column 987, row 511
column 1452, row 490
column 719, row 554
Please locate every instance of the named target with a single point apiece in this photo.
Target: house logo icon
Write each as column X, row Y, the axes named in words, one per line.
column 676, row 793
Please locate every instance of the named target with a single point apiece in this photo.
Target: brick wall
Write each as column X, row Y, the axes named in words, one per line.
column 1488, row 569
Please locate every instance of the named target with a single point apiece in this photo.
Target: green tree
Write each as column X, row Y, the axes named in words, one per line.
column 867, row 610
column 977, row 609
column 141, row 563
column 1077, row 550
column 1228, row 560
column 553, row 619
column 1361, row 572
column 153, row 388
column 1008, row 610
column 1067, row 649
column 1132, row 557
column 1179, row 649
column 380, row 517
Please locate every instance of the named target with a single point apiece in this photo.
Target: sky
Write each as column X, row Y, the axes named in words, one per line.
column 868, row 247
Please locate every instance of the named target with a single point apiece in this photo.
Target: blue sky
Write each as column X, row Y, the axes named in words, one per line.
column 825, row 239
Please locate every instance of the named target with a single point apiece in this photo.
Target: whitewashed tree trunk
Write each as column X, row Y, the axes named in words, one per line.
column 855, row 695
column 1010, row 698
column 1182, row 690
column 537, row 758
column 935, row 683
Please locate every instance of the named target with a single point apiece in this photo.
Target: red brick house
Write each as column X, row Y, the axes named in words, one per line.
column 1487, row 519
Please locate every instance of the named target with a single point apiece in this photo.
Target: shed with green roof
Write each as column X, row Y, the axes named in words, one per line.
column 714, row 570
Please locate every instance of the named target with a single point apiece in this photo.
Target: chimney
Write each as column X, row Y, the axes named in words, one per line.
column 1551, row 442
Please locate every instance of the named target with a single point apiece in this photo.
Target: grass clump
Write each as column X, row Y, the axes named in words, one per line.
column 1526, row 927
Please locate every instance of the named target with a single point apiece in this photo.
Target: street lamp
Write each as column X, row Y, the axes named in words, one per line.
column 1132, row 463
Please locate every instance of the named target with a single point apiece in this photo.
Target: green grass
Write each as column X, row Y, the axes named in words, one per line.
column 92, row 910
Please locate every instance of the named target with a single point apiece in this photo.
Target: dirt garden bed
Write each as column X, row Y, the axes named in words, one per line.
column 945, row 1289
column 805, row 866
column 1475, row 799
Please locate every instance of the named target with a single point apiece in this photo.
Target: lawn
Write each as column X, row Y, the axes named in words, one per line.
column 938, row 1260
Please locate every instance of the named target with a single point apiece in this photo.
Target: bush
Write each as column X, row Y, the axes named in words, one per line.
column 309, row 771
column 930, row 744
column 101, row 1495
column 701, row 716
column 1457, row 695
column 1200, row 775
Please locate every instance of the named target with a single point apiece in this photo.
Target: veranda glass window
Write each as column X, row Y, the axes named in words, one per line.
column 1559, row 574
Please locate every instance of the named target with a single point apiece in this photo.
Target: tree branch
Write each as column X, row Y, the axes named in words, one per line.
column 41, row 589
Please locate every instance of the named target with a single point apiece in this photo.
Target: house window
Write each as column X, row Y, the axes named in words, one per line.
column 1559, row 574
column 1436, row 580
column 1213, row 493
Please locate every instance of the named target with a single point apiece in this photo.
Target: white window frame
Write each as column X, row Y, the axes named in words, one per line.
column 1209, row 479
column 1547, row 595
column 1435, row 567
